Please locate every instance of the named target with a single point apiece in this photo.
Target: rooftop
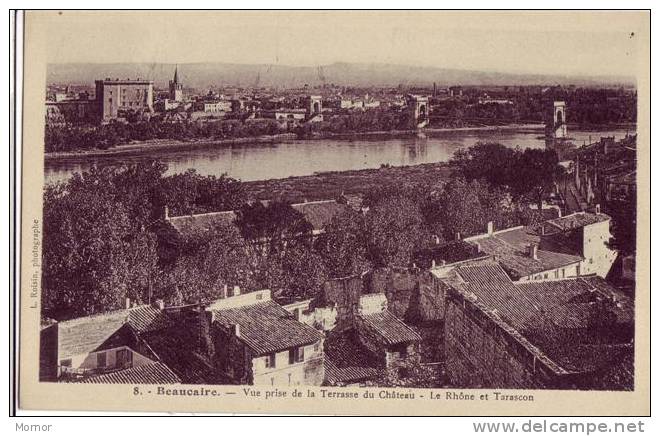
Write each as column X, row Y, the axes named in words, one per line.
column 317, row 213
column 320, row 213
column 153, row 373
column 511, row 248
column 449, row 252
column 347, row 360
column 90, row 333
column 205, row 222
column 390, row 329
column 178, row 346
column 569, row 222
column 267, row 327
column 544, row 312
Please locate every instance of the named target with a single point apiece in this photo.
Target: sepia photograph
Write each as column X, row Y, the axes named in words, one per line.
column 423, row 202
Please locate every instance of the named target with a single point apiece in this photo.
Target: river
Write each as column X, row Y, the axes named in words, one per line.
column 259, row 161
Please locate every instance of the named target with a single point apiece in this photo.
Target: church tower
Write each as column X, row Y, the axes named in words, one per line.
column 176, row 88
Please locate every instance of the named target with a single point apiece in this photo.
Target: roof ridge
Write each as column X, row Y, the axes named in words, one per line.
column 314, row 202
column 195, row 215
column 94, row 315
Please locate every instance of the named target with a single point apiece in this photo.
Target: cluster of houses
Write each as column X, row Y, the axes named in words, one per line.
column 524, row 307
column 605, row 172
column 117, row 99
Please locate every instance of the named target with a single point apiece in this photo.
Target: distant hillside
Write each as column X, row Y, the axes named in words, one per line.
column 204, row 75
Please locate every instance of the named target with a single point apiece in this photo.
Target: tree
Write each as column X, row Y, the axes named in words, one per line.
column 624, row 226
column 460, row 209
column 93, row 256
column 395, row 228
column 104, row 239
column 536, row 171
column 274, row 226
column 489, row 161
column 343, row 246
column 526, row 174
column 189, row 192
column 304, row 273
column 213, row 259
column 467, row 207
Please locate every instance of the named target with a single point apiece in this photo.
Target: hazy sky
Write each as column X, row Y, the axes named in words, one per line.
column 554, row 43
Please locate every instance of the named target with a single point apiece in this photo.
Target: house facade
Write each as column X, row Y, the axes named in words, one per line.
column 258, row 342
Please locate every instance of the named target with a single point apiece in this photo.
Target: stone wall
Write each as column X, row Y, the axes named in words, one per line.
column 482, row 354
column 231, row 358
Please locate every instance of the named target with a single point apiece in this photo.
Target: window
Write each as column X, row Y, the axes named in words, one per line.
column 316, row 346
column 402, row 349
column 65, row 362
column 563, row 273
column 124, row 359
column 100, row 360
column 591, row 260
column 297, row 354
column 270, row 361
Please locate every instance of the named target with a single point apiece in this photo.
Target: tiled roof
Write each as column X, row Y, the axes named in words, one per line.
column 320, row 213
column 202, row 222
column 267, row 327
column 153, row 373
column 569, row 222
column 348, row 374
column 317, row 213
column 449, row 252
column 577, row 296
column 148, row 318
column 178, row 346
column 390, row 329
column 86, row 334
column 524, row 303
column 541, row 311
column 347, row 360
column 512, row 251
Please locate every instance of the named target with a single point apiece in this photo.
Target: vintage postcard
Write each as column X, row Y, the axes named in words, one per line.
column 336, row 212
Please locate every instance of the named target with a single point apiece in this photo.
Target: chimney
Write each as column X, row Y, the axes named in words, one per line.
column 128, row 303
column 237, row 291
column 478, row 245
column 236, row 330
column 432, row 263
column 458, row 236
column 598, row 208
column 167, row 213
column 436, row 239
column 224, row 291
column 534, row 251
column 490, row 228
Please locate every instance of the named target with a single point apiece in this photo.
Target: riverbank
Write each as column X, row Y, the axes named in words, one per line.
column 146, row 147
column 332, row 184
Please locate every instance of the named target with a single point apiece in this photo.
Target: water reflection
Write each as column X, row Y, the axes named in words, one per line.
column 256, row 161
